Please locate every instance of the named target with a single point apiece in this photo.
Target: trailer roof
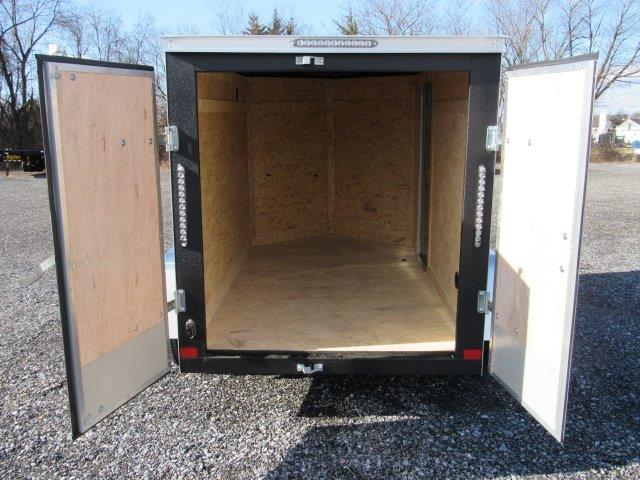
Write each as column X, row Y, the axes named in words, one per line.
column 335, row 44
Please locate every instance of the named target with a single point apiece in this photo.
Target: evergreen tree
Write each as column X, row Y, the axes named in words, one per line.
column 348, row 25
column 254, row 26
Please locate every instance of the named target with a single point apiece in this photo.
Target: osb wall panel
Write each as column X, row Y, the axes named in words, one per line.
column 375, row 158
column 287, row 150
column 448, row 154
column 225, row 183
column 221, row 86
column 283, row 89
column 374, row 88
column 107, row 189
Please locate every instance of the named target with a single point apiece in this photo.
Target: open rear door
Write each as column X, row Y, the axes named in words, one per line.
column 99, row 134
column 546, row 148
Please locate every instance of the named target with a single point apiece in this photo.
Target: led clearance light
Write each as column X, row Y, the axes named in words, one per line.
column 482, row 175
column 182, row 206
column 336, row 42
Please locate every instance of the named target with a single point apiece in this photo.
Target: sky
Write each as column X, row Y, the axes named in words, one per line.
column 317, row 15
column 317, row 18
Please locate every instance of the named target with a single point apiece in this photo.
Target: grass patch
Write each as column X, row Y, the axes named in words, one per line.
column 613, row 155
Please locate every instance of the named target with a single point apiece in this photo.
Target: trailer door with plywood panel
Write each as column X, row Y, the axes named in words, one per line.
column 102, row 170
column 546, row 147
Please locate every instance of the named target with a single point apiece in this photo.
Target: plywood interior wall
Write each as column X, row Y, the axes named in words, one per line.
column 224, row 177
column 287, row 151
column 375, row 158
column 449, row 122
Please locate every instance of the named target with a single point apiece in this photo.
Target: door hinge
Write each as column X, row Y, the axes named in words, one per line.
column 169, row 138
column 180, row 302
column 485, row 305
column 493, row 138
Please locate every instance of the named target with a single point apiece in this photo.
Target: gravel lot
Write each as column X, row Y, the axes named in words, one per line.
column 204, row 426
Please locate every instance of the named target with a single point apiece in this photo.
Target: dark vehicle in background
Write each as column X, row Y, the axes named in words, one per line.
column 32, row 160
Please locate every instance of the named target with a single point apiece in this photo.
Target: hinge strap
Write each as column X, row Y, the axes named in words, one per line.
column 493, row 138
column 485, row 305
column 169, row 138
column 180, row 301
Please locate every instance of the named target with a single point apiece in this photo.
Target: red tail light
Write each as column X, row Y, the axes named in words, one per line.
column 472, row 354
column 188, row 352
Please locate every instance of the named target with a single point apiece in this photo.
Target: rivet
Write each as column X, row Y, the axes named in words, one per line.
column 561, row 268
column 516, row 330
column 564, row 236
column 151, row 141
column 135, row 328
column 72, row 77
column 100, row 408
column 123, row 142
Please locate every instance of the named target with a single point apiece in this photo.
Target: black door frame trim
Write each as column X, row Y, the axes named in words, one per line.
column 484, row 79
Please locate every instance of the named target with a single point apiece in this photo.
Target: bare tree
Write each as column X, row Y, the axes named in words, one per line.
column 618, row 39
column 74, row 33
column 552, row 29
column 23, row 26
column 518, row 21
column 106, row 38
column 228, row 16
column 139, row 42
column 457, row 20
column 391, row 17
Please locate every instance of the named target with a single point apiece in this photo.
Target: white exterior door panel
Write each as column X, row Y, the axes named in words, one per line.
column 546, row 146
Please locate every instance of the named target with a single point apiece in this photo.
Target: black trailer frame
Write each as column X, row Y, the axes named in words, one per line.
column 484, row 80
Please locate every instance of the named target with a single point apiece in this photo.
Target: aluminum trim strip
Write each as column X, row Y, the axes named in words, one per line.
column 284, row 44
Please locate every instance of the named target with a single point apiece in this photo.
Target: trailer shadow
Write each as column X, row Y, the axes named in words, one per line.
column 385, row 427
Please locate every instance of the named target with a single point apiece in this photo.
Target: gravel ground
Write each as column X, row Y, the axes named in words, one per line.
column 205, row 426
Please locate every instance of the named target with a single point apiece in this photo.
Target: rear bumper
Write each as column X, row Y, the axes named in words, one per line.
column 332, row 365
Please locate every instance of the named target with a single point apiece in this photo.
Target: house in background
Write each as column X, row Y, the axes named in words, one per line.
column 629, row 131
column 601, row 129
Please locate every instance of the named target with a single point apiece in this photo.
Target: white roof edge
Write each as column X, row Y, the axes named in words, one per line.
column 285, row 44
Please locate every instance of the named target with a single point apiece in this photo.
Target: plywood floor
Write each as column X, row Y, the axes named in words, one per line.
column 331, row 293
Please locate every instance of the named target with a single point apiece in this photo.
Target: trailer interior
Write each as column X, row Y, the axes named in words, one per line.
column 318, row 195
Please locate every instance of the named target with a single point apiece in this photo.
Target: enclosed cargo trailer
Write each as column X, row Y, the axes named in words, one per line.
column 332, row 205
